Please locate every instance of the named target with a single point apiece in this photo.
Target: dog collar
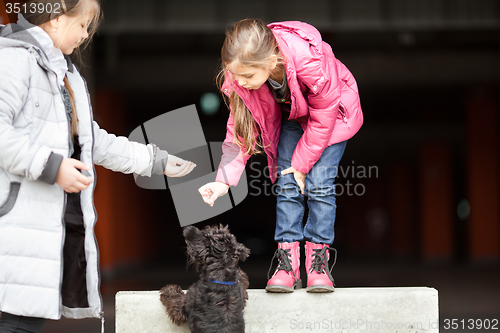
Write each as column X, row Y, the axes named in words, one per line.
column 222, row 282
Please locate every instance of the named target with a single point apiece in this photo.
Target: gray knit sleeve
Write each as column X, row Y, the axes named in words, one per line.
column 49, row 174
column 159, row 161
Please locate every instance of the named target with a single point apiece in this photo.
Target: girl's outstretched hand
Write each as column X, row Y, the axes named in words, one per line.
column 300, row 177
column 211, row 191
column 70, row 179
column 177, row 167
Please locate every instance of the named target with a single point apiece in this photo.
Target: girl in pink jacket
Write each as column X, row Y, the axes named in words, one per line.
column 285, row 86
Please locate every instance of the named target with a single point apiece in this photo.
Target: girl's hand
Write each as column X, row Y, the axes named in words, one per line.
column 211, row 191
column 70, row 179
column 300, row 177
column 177, row 167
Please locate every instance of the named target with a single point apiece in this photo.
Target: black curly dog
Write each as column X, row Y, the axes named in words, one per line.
column 215, row 303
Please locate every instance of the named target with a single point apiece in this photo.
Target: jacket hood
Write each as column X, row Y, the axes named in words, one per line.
column 13, row 35
column 304, row 30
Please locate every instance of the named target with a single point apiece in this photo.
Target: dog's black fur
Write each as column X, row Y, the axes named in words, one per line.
column 207, row 306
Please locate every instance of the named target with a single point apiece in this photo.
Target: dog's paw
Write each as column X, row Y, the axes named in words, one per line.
column 169, row 291
column 174, row 300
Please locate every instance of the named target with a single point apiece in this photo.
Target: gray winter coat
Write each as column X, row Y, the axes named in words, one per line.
column 34, row 137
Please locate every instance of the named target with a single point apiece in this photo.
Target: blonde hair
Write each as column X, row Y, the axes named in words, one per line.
column 71, row 8
column 249, row 43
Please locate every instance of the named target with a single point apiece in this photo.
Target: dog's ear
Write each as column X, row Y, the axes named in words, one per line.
column 196, row 245
column 242, row 252
column 191, row 233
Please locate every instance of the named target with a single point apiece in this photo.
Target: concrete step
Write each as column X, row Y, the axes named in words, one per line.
column 352, row 310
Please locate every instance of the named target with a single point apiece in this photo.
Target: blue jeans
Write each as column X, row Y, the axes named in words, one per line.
column 319, row 191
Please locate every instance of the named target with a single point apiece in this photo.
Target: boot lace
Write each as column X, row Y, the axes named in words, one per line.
column 283, row 262
column 320, row 261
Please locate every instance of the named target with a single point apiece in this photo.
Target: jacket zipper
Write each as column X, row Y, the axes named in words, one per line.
column 62, row 255
column 293, row 105
column 62, row 218
column 101, row 313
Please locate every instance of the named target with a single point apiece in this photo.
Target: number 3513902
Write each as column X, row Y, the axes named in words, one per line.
column 470, row 324
column 33, row 8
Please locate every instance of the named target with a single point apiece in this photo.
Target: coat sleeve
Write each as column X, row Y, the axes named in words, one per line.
column 318, row 71
column 233, row 159
column 117, row 153
column 18, row 153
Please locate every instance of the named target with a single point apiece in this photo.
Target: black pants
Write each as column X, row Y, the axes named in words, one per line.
column 17, row 324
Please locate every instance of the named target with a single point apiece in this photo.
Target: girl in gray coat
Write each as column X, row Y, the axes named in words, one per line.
column 49, row 144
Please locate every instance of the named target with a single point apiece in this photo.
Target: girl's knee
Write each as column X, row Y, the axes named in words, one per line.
column 326, row 190
column 288, row 190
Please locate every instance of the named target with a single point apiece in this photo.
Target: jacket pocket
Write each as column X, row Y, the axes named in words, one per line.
column 342, row 112
column 7, row 206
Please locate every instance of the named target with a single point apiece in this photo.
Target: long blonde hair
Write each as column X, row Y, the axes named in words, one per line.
column 71, row 8
column 249, row 43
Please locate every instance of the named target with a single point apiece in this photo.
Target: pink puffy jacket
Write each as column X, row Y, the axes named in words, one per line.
column 324, row 98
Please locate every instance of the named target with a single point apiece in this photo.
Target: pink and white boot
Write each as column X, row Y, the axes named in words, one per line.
column 286, row 278
column 319, row 277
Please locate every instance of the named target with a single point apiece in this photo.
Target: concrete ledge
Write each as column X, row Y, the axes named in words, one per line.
column 345, row 310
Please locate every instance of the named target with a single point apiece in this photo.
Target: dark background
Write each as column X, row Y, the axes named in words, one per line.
column 428, row 73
